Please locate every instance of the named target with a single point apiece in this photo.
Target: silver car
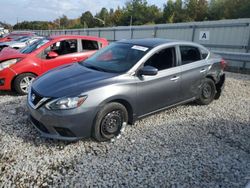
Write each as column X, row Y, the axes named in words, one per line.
column 20, row 42
column 121, row 83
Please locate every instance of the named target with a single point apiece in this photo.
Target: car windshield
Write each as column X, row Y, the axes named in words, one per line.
column 34, row 46
column 116, row 58
column 22, row 39
column 14, row 37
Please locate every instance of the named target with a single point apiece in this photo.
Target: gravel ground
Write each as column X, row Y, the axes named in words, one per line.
column 186, row 146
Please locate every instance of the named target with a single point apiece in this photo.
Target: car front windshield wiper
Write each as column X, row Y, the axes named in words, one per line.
column 94, row 67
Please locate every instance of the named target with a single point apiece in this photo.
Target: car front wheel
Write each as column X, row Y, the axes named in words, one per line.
column 22, row 83
column 109, row 121
column 207, row 93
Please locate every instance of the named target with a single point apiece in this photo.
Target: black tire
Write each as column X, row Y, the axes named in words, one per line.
column 18, row 83
column 109, row 120
column 207, row 92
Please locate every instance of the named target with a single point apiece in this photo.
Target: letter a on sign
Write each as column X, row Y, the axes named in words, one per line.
column 204, row 35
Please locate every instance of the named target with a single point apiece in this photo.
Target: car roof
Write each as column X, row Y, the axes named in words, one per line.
column 154, row 42
column 149, row 42
column 76, row 37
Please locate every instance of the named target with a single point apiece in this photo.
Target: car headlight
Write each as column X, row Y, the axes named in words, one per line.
column 66, row 103
column 8, row 63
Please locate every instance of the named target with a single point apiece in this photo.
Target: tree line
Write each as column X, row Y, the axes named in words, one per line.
column 5, row 25
column 139, row 12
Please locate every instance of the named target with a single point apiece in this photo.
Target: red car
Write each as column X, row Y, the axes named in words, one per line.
column 15, row 35
column 19, row 68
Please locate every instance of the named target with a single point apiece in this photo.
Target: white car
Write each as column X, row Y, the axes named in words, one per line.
column 20, row 42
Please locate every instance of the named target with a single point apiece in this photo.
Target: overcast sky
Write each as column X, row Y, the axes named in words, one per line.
column 49, row 10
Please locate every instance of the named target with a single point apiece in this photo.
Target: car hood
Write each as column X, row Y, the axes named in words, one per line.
column 12, row 43
column 69, row 80
column 17, row 44
column 10, row 53
column 6, row 43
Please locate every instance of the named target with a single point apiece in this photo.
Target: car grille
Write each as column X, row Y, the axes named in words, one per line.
column 35, row 99
column 64, row 132
column 39, row 125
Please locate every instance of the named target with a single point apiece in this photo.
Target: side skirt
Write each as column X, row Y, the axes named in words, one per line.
column 164, row 108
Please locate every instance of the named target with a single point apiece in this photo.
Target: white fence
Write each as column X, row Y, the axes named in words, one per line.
column 223, row 36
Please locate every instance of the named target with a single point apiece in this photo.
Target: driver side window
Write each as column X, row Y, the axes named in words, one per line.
column 61, row 48
column 163, row 59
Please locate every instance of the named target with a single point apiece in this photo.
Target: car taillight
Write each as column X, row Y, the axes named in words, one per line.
column 223, row 64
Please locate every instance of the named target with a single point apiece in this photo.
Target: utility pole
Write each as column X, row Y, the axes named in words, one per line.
column 131, row 23
column 59, row 22
column 17, row 23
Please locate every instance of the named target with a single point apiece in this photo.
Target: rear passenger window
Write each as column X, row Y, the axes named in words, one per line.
column 163, row 59
column 189, row 54
column 89, row 45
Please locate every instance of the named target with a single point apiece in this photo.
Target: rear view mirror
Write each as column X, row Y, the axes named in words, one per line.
column 148, row 71
column 52, row 55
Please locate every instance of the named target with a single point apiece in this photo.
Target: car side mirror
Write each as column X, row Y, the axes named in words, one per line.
column 52, row 55
column 148, row 71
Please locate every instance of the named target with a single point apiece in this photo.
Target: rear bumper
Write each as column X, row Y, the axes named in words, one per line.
column 6, row 77
column 66, row 125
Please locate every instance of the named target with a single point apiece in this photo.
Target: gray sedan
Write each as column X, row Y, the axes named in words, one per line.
column 121, row 83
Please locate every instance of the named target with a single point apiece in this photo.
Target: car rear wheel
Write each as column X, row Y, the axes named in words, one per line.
column 207, row 93
column 109, row 121
column 22, row 83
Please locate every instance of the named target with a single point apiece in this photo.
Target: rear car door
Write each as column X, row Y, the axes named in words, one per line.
column 163, row 89
column 67, row 51
column 193, row 67
column 88, row 48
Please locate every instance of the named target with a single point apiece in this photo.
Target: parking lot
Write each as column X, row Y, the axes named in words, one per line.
column 186, row 146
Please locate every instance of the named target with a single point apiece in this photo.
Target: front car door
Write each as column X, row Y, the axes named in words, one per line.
column 67, row 51
column 163, row 89
column 193, row 67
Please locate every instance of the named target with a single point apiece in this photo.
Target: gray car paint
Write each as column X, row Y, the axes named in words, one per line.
column 141, row 95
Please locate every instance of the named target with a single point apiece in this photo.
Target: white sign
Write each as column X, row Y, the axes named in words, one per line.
column 141, row 48
column 204, row 35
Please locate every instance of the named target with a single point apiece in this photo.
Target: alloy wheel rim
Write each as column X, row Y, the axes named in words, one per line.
column 111, row 123
column 207, row 91
column 25, row 83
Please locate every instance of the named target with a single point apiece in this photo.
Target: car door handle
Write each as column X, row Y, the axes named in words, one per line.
column 202, row 70
column 174, row 78
column 74, row 59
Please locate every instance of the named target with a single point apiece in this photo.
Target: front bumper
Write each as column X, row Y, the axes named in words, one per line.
column 6, row 77
column 67, row 125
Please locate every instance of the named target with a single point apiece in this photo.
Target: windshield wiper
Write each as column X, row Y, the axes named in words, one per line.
column 94, row 67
